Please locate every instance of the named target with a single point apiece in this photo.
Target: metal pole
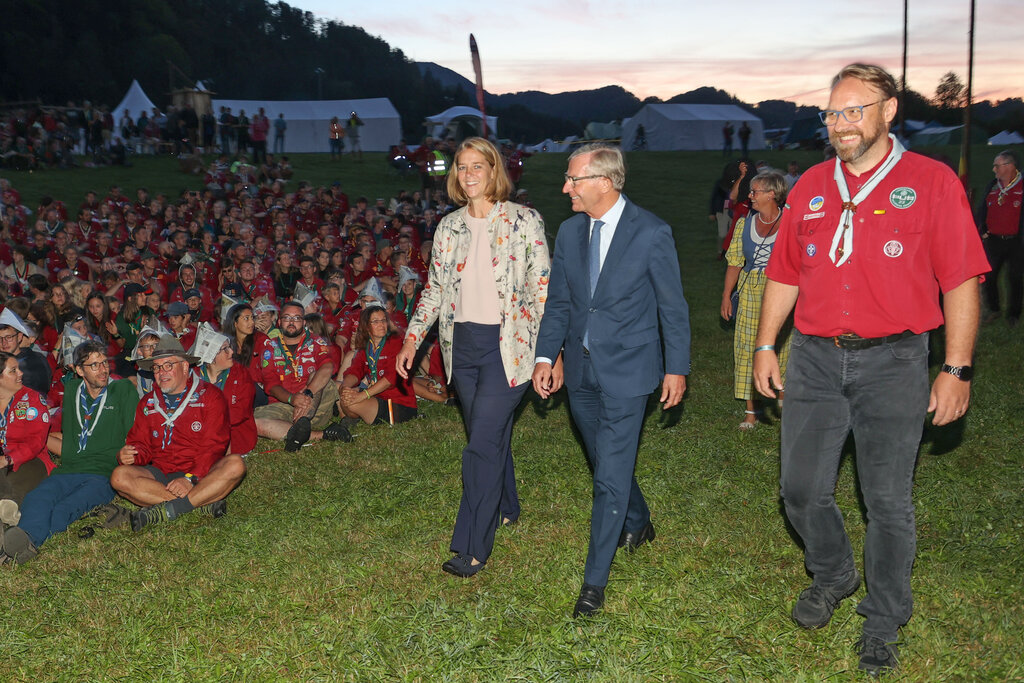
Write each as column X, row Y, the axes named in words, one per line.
column 903, row 85
column 965, row 148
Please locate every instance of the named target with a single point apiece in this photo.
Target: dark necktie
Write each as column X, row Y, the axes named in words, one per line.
column 595, row 255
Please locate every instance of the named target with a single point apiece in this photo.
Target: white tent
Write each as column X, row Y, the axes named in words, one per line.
column 445, row 123
column 1006, row 138
column 135, row 102
column 309, row 121
column 691, row 126
column 550, row 145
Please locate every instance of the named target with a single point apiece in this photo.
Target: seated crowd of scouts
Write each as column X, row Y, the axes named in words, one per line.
column 145, row 345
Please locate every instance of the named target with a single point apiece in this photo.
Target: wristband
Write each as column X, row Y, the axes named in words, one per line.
column 766, row 347
column 290, row 397
column 367, row 392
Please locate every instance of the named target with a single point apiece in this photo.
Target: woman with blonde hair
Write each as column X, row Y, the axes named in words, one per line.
column 486, row 287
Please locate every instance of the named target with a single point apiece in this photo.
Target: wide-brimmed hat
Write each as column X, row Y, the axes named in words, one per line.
column 167, row 346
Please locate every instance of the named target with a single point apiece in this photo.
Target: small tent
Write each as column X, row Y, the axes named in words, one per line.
column 309, row 121
column 460, row 123
column 690, row 126
column 946, row 135
column 1006, row 138
column 549, row 145
column 134, row 102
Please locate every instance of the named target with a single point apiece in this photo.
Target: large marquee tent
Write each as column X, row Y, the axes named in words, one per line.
column 309, row 121
column 134, row 102
column 690, row 126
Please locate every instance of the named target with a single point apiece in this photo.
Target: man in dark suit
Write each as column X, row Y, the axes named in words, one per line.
column 614, row 278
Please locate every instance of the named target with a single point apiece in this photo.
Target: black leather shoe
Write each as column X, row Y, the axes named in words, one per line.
column 631, row 540
column 591, row 599
column 462, row 566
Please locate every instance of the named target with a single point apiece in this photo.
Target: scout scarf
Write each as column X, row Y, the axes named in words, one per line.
column 1003, row 191
column 93, row 410
column 842, row 240
column 177, row 407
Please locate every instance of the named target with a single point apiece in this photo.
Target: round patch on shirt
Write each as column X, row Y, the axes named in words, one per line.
column 892, row 249
column 816, row 203
column 46, row 417
column 196, row 426
column 31, row 413
column 903, row 197
column 811, row 250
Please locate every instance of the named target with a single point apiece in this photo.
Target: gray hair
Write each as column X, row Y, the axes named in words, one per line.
column 605, row 160
column 773, row 181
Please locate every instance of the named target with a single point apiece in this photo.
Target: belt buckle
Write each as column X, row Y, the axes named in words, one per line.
column 844, row 337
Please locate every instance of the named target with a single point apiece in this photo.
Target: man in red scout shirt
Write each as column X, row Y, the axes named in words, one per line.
column 1000, row 221
column 298, row 380
column 868, row 243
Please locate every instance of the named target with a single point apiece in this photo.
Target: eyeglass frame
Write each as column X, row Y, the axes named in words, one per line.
column 823, row 114
column 572, row 180
column 166, row 367
column 97, row 365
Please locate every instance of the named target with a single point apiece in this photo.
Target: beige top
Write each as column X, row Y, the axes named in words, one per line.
column 478, row 297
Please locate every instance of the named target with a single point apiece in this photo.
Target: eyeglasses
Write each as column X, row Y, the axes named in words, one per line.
column 757, row 192
column 97, row 365
column 852, row 114
column 166, row 367
column 572, row 180
column 379, row 321
column 292, row 318
column 8, row 337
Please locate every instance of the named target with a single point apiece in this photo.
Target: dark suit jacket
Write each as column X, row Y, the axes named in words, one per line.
column 639, row 287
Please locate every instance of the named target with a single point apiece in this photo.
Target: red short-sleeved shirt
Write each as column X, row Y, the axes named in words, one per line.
column 1004, row 218
column 913, row 236
column 277, row 369
column 400, row 390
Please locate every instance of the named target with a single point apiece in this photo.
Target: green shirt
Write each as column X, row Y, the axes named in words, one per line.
column 117, row 416
column 130, row 331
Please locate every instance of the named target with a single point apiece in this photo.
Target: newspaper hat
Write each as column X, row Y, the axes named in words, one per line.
column 405, row 274
column 208, row 343
column 373, row 289
column 263, row 305
column 226, row 304
column 11, row 319
column 155, row 330
column 167, row 346
column 304, row 295
column 69, row 341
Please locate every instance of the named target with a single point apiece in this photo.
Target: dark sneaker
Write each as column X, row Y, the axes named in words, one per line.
column 143, row 517
column 16, row 546
column 877, row 657
column 337, row 432
column 814, row 607
column 216, row 509
column 298, row 434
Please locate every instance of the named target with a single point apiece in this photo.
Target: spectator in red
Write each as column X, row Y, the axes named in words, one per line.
column 253, row 285
column 260, row 126
column 309, row 279
column 235, row 382
column 248, row 342
column 371, row 390
column 24, row 425
column 179, row 321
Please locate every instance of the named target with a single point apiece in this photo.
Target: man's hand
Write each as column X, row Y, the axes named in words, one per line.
column 180, row 487
column 543, row 379
column 403, row 363
column 300, row 405
column 126, row 456
column 950, row 398
column 767, row 376
column 672, row 389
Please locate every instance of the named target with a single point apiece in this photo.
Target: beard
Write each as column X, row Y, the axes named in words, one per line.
column 867, row 141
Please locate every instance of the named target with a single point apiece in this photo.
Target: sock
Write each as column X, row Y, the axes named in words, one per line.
column 178, row 507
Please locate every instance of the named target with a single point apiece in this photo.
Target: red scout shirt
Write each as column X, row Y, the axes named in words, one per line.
column 279, row 366
column 400, row 390
column 1003, row 218
column 913, row 236
column 26, row 422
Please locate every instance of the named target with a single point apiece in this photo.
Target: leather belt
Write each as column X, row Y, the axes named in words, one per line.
column 854, row 343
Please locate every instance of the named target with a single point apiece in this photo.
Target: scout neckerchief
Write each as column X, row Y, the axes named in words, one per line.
column 176, row 405
column 249, row 294
column 373, row 355
column 4, row 420
column 88, row 410
column 1003, row 191
column 293, row 359
column 842, row 240
column 219, row 380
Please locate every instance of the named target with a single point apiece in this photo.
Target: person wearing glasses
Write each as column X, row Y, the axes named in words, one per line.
column 175, row 457
column 871, row 240
column 34, row 366
column 298, row 378
column 486, row 288
column 371, row 391
column 1000, row 221
column 96, row 416
column 217, row 366
column 748, row 253
column 615, row 301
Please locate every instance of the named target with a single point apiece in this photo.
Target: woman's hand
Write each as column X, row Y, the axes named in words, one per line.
column 726, row 311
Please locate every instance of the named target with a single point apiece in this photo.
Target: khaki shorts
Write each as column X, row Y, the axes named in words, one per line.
column 328, row 396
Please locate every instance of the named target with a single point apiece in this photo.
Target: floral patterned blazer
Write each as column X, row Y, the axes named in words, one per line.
column 522, row 265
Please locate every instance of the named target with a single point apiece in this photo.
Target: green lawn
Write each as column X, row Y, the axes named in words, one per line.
column 327, row 566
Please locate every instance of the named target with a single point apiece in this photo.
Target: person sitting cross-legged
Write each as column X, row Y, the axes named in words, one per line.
column 175, row 458
column 97, row 414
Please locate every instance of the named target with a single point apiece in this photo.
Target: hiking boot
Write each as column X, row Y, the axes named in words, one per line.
column 9, row 512
column 216, row 509
column 814, row 607
column 877, row 657
column 337, row 432
column 149, row 515
column 16, row 545
column 298, row 434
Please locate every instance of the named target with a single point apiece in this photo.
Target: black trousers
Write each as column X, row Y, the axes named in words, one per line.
column 1010, row 253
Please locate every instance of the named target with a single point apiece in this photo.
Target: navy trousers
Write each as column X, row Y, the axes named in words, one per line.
column 611, row 433
column 488, row 408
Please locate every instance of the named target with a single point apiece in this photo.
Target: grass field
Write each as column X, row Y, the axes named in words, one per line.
column 327, row 566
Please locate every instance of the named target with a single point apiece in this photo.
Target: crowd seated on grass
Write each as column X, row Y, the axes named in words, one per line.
column 288, row 277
